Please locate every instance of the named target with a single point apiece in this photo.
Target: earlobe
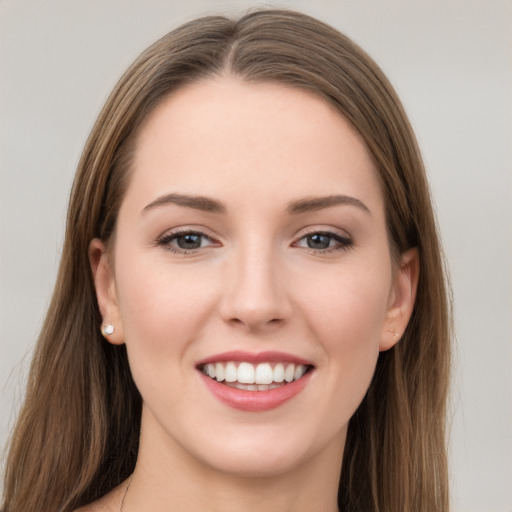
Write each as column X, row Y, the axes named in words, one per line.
column 402, row 299
column 104, row 283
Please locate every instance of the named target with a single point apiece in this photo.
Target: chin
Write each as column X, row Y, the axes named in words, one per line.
column 259, row 452
column 256, row 462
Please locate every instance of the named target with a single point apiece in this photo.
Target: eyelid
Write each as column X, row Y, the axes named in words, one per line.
column 325, row 230
column 166, row 237
column 344, row 240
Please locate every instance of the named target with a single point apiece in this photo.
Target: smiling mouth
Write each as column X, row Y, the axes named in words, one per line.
column 255, row 377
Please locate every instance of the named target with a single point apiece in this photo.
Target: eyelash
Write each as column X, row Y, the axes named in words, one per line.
column 165, row 241
column 343, row 243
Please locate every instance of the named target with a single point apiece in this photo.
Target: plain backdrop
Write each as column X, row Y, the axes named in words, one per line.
column 451, row 64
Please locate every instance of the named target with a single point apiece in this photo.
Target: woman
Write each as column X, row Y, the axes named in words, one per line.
column 251, row 308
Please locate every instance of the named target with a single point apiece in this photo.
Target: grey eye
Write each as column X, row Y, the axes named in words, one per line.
column 189, row 241
column 318, row 241
column 324, row 242
column 184, row 242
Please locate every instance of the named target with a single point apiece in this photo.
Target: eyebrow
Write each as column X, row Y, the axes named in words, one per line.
column 311, row 204
column 207, row 204
column 204, row 204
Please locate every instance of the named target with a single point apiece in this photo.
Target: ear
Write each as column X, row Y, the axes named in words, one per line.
column 106, row 293
column 402, row 297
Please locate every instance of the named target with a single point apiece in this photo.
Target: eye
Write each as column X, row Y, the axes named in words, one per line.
column 324, row 242
column 185, row 241
column 319, row 241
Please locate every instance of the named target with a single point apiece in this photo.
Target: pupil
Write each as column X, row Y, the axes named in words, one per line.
column 189, row 241
column 319, row 241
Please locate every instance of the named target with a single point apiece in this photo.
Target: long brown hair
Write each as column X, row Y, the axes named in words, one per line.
column 77, row 434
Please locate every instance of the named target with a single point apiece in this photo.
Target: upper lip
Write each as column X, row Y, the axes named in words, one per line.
column 254, row 358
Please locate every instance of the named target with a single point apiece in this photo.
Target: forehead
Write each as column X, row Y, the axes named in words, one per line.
column 225, row 137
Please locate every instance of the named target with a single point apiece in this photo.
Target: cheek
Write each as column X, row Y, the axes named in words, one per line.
column 162, row 309
column 352, row 305
column 347, row 321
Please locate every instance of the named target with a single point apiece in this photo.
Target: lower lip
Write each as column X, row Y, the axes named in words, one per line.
column 255, row 401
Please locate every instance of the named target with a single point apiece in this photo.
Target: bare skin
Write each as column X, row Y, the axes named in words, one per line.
column 254, row 221
column 111, row 502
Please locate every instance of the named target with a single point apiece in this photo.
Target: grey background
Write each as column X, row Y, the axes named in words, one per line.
column 451, row 64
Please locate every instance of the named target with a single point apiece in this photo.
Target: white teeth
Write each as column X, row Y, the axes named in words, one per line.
column 289, row 373
column 245, row 387
column 231, row 373
column 264, row 374
column 300, row 370
column 246, row 373
column 253, row 387
column 278, row 373
column 219, row 372
column 251, row 377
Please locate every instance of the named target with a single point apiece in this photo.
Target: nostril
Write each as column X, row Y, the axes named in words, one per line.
column 254, row 300
column 255, row 320
column 256, row 323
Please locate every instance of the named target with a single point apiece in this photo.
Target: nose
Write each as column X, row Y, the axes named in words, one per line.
column 255, row 294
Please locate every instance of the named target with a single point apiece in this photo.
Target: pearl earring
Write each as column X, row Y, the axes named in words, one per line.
column 107, row 330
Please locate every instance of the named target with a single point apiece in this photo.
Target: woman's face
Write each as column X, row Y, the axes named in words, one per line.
column 251, row 247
